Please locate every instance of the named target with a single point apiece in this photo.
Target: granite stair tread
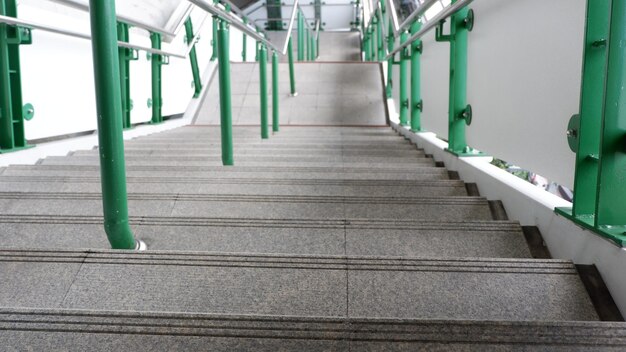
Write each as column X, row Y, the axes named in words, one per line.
column 79, row 330
column 305, row 286
column 489, row 239
column 250, row 185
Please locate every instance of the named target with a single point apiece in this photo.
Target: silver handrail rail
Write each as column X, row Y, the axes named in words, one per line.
column 239, row 24
column 241, row 14
column 132, row 22
column 70, row 33
column 444, row 14
column 420, row 11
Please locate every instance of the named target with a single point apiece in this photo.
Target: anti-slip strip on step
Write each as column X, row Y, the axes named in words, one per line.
column 250, row 169
column 590, row 334
column 312, row 262
column 239, row 181
column 460, row 226
column 463, row 201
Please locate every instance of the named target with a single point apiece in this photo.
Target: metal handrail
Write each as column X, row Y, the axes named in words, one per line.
column 70, row 33
column 444, row 14
column 239, row 24
column 241, row 14
column 421, row 10
column 132, row 22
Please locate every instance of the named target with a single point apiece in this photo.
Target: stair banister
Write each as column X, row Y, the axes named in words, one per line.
column 110, row 138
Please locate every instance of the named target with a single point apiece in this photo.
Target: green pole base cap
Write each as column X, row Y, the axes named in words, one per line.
column 615, row 233
column 466, row 152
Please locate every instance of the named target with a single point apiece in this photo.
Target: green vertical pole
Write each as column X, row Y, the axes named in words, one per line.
column 110, row 138
column 599, row 137
column 372, row 45
column 157, row 62
column 292, row 74
column 263, row 91
column 301, row 43
column 313, row 48
column 374, row 38
column 12, row 132
column 390, row 44
column 6, row 108
column 366, row 45
column 416, row 96
column 381, row 38
column 404, row 81
column 226, row 123
column 307, row 41
column 214, row 40
column 612, row 173
column 193, row 59
column 457, row 108
column 125, row 56
column 275, row 93
column 244, row 52
column 591, row 105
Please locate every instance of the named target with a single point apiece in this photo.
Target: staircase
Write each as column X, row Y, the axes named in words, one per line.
column 319, row 239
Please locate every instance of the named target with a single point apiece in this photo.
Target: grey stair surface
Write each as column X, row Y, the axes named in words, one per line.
column 318, row 239
column 76, row 330
column 328, row 94
column 306, row 286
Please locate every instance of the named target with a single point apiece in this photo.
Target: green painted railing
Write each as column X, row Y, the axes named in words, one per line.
column 597, row 134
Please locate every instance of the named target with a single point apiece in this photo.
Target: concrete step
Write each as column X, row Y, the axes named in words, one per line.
column 409, row 238
column 265, row 207
column 239, row 186
column 275, row 153
column 307, row 286
column 76, row 330
column 422, row 173
column 402, row 147
column 323, row 162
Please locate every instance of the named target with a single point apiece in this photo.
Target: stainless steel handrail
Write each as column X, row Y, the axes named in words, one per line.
column 420, row 11
column 445, row 13
column 132, row 22
column 70, row 33
column 238, row 23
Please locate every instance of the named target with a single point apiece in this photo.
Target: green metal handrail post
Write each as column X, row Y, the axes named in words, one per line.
column 374, row 38
column 292, row 73
column 12, row 112
column 214, row 39
column 372, row 44
column 263, row 91
column 226, row 118
column 275, row 93
column 381, row 38
column 244, row 52
column 193, row 59
column 313, row 49
column 416, row 95
column 157, row 62
column 459, row 112
column 366, row 45
column 404, row 81
column 307, row 41
column 390, row 45
column 125, row 55
column 301, row 44
column 599, row 137
column 110, row 138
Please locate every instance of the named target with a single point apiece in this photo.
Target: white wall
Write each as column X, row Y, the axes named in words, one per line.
column 525, row 64
column 524, row 75
column 57, row 71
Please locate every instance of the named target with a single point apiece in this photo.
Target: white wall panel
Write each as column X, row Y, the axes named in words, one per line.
column 435, row 75
column 57, row 72
column 525, row 62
